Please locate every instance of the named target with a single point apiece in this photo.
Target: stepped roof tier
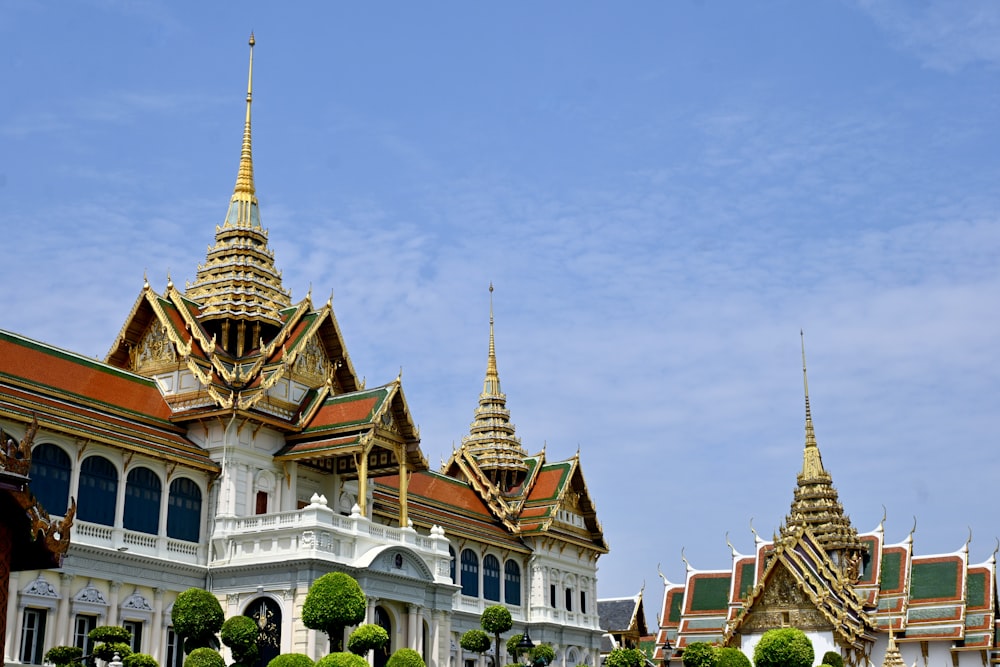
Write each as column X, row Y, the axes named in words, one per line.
column 491, row 442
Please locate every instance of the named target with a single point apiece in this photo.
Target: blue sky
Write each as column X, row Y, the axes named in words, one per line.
column 663, row 194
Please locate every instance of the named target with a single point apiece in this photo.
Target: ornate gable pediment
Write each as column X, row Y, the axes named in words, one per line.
column 783, row 602
column 155, row 349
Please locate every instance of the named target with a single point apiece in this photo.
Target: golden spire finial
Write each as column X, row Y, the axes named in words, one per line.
column 812, row 464
column 244, row 177
column 492, row 385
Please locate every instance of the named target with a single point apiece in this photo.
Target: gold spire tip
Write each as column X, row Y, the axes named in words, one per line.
column 252, row 40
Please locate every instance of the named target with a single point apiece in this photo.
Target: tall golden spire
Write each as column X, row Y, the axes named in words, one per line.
column 812, row 463
column 238, row 281
column 491, row 440
column 816, row 504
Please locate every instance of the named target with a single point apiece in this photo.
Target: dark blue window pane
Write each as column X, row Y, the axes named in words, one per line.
column 50, row 472
column 142, row 501
column 98, row 491
column 491, row 578
column 470, row 573
column 512, row 583
column 184, row 510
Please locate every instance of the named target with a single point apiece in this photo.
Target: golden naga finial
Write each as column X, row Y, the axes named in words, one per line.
column 996, row 548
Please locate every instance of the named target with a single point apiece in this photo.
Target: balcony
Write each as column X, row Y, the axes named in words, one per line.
column 317, row 532
column 123, row 540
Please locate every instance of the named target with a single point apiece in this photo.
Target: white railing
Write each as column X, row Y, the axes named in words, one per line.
column 133, row 542
column 316, row 531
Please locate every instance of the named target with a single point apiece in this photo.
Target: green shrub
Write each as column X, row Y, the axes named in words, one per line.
column 698, row 654
column 240, row 633
column 496, row 620
column 291, row 660
column 342, row 659
column 107, row 650
column 625, row 657
column 543, row 655
column 475, row 641
column 731, row 657
column 110, row 633
column 63, row 655
column 334, row 601
column 833, row 658
column 784, row 647
column 140, row 660
column 197, row 617
column 366, row 638
column 512, row 647
column 405, row 657
column 204, row 657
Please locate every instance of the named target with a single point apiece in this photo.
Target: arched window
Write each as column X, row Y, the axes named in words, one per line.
column 98, row 491
column 470, row 573
column 142, row 501
column 50, row 471
column 184, row 510
column 569, row 599
column 454, row 560
column 512, row 583
column 491, row 578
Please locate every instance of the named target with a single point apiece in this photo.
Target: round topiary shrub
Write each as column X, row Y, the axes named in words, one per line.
column 625, row 657
column 731, row 657
column 366, row 638
column 542, row 655
column 833, row 658
column 334, row 601
column 407, row 657
column 291, row 660
column 475, row 641
column 204, row 657
column 698, row 654
column 107, row 651
column 140, row 660
column 342, row 659
column 784, row 647
column 240, row 633
column 197, row 617
column 63, row 655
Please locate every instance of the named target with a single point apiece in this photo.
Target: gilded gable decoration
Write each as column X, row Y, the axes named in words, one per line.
column 311, row 361
column 154, row 349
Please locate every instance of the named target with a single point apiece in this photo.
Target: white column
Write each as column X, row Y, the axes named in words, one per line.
column 113, row 603
column 63, row 637
column 156, row 632
column 13, row 622
column 411, row 626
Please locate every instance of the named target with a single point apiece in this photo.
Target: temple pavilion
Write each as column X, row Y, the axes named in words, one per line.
column 873, row 601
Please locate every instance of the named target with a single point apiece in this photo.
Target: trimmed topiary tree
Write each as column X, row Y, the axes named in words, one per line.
column 512, row 647
column 698, row 654
column 334, row 601
column 542, row 655
column 367, row 637
column 475, row 641
column 63, row 655
column 833, row 658
column 140, row 660
column 625, row 657
column 197, row 617
column 784, row 647
column 291, row 660
column 496, row 620
column 405, row 657
column 240, row 633
column 731, row 657
column 342, row 659
column 110, row 639
column 204, row 657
